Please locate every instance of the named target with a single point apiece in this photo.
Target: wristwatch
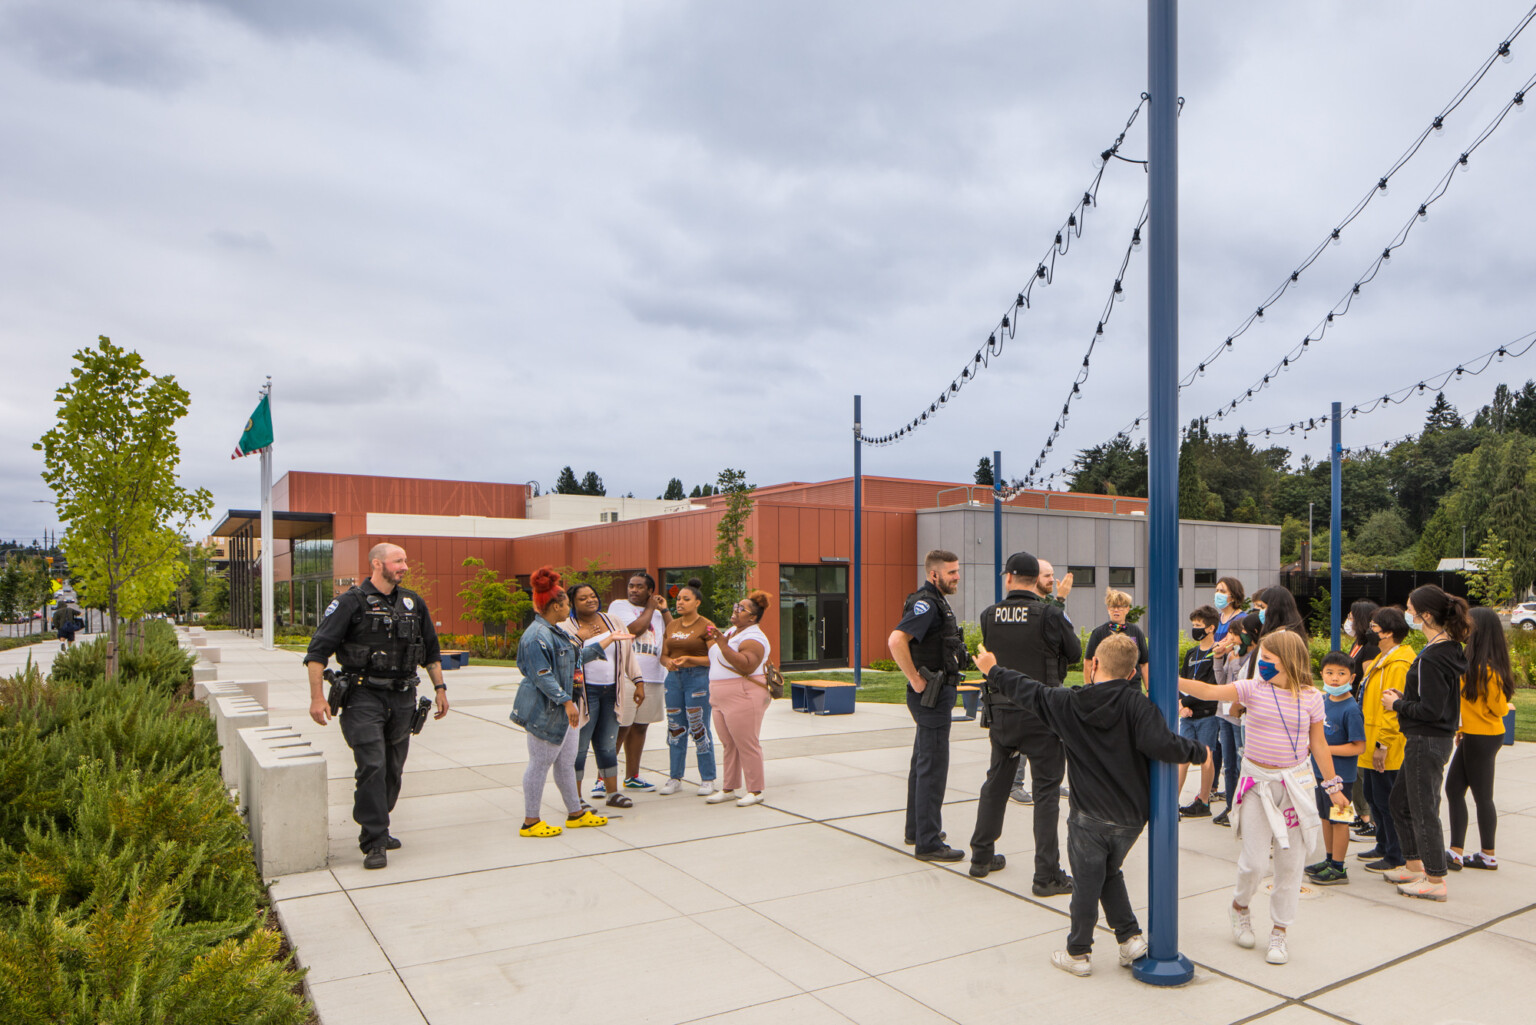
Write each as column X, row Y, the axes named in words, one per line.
column 439, row 686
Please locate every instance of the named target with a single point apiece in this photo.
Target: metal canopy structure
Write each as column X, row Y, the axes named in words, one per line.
column 243, row 527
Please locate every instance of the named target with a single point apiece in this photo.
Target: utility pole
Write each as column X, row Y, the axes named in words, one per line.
column 1163, row 965
column 997, row 526
column 858, row 542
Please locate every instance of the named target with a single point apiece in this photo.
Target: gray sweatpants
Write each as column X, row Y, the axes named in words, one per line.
column 541, row 755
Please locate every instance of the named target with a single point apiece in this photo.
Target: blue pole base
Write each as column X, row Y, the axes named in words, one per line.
column 1175, row 972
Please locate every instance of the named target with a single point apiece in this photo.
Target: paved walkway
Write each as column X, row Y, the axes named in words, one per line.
column 809, row 909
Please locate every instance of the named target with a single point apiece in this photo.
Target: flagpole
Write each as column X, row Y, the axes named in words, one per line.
column 266, row 536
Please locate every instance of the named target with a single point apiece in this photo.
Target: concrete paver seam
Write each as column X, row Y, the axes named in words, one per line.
column 388, row 960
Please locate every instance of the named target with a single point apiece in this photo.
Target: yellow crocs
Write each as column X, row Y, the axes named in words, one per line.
column 540, row 828
column 587, row 818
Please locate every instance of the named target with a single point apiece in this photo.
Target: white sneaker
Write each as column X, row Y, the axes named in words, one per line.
column 671, row 786
column 1078, row 966
column 707, row 787
column 1132, row 950
column 720, row 797
column 1242, row 927
column 748, row 799
column 1277, row 952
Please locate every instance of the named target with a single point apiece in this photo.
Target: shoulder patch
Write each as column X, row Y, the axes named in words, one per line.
column 331, row 607
column 921, row 606
column 409, row 604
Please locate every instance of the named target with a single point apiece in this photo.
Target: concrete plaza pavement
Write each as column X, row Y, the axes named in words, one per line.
column 809, row 908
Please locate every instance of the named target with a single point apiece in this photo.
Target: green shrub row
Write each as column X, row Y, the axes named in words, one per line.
column 128, row 891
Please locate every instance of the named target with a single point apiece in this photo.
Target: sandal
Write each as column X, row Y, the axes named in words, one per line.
column 540, row 828
column 1480, row 860
column 620, row 801
column 586, row 818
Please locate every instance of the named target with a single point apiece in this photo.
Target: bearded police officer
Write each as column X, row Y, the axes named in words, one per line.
column 1035, row 638
column 929, row 648
column 380, row 633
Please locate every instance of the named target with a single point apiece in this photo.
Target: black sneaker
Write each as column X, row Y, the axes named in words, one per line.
column 1196, row 809
column 1222, row 819
column 979, row 869
column 1331, row 876
column 392, row 844
column 1059, row 885
column 1313, row 870
column 1364, row 832
column 1374, row 854
column 1383, row 865
column 942, row 854
column 376, row 858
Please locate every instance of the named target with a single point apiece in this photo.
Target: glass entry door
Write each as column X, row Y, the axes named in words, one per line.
column 813, row 617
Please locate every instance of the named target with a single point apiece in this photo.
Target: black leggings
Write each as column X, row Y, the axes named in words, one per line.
column 1472, row 766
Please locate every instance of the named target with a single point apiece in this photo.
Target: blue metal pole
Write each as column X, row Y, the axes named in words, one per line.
column 858, row 542
column 1163, row 965
column 1336, row 541
column 997, row 526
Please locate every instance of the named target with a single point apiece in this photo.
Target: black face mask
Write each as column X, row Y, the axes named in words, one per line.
column 1197, row 632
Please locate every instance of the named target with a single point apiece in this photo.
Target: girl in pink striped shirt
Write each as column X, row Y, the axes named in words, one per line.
column 1275, row 808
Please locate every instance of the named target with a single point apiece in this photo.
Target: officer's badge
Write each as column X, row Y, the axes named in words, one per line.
column 331, row 607
column 409, row 604
column 920, row 607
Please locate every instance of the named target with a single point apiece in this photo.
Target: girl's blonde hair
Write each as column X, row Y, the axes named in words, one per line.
column 1290, row 652
column 1114, row 599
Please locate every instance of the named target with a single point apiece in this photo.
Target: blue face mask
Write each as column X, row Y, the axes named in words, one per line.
column 1261, row 617
column 1413, row 621
column 1338, row 691
column 1220, row 601
column 1268, row 670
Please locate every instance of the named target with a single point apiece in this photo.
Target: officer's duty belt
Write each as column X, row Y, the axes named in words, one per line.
column 385, row 683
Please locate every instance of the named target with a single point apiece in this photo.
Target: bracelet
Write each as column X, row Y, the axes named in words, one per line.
column 440, row 686
column 1333, row 785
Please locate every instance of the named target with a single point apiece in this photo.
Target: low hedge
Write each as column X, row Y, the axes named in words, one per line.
column 128, row 890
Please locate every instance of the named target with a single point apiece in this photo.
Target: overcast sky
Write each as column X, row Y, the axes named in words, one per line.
column 482, row 241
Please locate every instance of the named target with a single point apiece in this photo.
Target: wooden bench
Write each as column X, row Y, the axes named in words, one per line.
column 454, row 658
column 822, row 697
column 970, row 696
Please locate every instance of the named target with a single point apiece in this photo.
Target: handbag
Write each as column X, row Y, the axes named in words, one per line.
column 770, row 679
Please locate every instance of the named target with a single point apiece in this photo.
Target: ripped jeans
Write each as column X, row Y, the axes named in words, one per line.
column 688, row 717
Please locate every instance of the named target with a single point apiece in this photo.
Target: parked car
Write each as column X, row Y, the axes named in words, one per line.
column 1524, row 616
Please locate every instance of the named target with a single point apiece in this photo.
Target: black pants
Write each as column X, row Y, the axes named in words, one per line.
column 1096, row 850
column 929, row 773
column 1015, row 733
column 1378, row 794
column 1472, row 766
column 1416, row 801
column 377, row 726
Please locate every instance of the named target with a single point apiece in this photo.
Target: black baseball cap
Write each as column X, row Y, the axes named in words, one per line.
column 1022, row 564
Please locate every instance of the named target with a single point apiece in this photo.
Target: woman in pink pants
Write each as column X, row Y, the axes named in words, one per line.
column 738, row 693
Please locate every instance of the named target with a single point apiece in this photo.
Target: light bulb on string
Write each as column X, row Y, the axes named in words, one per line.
column 1423, row 212
column 1505, row 52
column 1439, row 126
column 1136, row 240
column 1119, row 292
column 1462, row 163
column 1337, row 238
column 1520, row 101
column 1381, row 187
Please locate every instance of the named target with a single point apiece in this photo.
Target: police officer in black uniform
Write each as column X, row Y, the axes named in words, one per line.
column 929, row 647
column 1036, row 638
column 380, row 633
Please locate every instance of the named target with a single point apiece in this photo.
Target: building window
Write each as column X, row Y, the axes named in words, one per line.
column 1122, row 576
column 1082, row 576
column 1205, row 578
column 1181, row 576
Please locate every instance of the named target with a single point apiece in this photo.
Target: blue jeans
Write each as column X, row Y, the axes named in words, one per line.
column 601, row 732
column 688, row 716
column 1230, row 762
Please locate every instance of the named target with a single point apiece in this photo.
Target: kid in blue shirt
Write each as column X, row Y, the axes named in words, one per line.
column 1344, row 727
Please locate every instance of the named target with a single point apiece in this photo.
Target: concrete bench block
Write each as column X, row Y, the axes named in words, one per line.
column 256, row 689
column 202, row 672
column 283, row 794
column 231, row 714
column 198, row 641
column 210, row 654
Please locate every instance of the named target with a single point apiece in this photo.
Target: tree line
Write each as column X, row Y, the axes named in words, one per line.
column 1457, row 482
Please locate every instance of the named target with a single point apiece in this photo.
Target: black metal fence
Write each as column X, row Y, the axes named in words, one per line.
column 1390, row 587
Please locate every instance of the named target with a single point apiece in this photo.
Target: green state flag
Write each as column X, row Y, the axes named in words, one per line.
column 258, row 431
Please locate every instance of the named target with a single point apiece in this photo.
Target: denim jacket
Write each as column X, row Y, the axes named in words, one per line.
column 547, row 657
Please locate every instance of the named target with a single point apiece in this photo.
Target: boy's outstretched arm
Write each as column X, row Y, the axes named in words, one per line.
column 1155, row 740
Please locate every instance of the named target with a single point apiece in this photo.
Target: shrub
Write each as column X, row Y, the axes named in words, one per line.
column 161, row 659
column 885, row 665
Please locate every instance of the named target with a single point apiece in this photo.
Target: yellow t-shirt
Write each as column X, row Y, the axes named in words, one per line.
column 1486, row 715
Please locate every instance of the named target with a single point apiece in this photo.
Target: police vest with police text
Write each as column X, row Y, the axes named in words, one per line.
column 1014, row 631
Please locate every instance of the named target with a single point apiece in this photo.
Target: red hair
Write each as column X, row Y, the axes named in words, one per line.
column 546, row 587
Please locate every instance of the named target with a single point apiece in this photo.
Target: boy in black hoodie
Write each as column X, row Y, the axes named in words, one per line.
column 1111, row 731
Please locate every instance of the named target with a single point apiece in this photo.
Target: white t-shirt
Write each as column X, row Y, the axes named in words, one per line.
column 720, row 670
column 648, row 644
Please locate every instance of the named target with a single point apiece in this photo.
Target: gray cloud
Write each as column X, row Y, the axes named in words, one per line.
column 114, row 44
column 395, row 28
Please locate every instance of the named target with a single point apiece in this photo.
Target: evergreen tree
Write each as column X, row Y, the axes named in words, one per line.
column 695, row 492
column 1522, row 410
column 592, row 484
column 566, row 484
column 733, row 544
column 1442, row 417
column 984, row 472
column 674, row 490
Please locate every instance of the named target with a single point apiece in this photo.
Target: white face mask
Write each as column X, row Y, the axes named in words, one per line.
column 1349, row 628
